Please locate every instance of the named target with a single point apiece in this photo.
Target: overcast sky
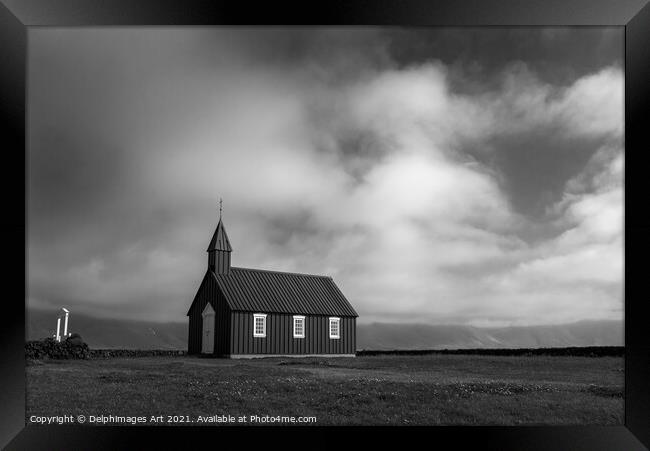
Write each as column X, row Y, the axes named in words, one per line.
column 467, row 176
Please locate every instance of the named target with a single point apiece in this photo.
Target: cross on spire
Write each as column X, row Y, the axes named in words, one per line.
column 220, row 207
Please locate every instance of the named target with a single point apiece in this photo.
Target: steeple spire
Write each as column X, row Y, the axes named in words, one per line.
column 219, row 248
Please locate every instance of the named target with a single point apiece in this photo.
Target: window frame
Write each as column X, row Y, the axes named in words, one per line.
column 337, row 320
column 255, row 317
column 298, row 317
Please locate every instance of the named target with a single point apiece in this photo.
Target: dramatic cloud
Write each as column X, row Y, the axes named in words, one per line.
column 332, row 156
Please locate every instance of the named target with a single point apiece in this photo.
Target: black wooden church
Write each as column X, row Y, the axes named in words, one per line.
column 243, row 313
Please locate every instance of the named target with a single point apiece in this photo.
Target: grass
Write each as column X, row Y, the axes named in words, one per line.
column 369, row 390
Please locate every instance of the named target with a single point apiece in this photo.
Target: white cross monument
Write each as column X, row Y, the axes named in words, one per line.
column 64, row 313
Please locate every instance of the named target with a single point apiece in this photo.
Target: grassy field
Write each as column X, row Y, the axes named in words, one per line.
column 369, row 390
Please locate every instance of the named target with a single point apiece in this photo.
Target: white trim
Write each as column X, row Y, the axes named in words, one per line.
column 255, row 317
column 295, row 335
column 208, row 310
column 334, row 319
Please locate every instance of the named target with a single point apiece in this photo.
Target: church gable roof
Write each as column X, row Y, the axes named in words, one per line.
column 256, row 290
column 220, row 241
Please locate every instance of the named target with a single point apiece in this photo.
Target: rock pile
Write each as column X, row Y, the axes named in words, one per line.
column 72, row 348
column 75, row 348
column 108, row 353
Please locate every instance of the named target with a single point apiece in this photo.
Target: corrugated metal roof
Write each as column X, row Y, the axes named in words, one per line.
column 220, row 241
column 257, row 290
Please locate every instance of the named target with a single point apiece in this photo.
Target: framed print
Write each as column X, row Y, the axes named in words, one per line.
column 388, row 219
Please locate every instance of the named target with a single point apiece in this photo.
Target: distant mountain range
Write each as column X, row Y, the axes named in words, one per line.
column 384, row 336
column 110, row 333
column 128, row 334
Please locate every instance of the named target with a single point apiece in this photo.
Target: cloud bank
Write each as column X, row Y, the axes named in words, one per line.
column 339, row 161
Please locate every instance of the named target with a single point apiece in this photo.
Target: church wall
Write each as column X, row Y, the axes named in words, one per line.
column 208, row 290
column 279, row 336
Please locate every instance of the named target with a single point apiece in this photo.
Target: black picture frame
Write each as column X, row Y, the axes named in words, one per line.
column 17, row 16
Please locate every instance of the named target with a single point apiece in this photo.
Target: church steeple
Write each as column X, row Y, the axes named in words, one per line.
column 219, row 249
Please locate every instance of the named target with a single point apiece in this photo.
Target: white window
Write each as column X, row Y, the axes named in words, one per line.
column 298, row 326
column 259, row 325
column 335, row 328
